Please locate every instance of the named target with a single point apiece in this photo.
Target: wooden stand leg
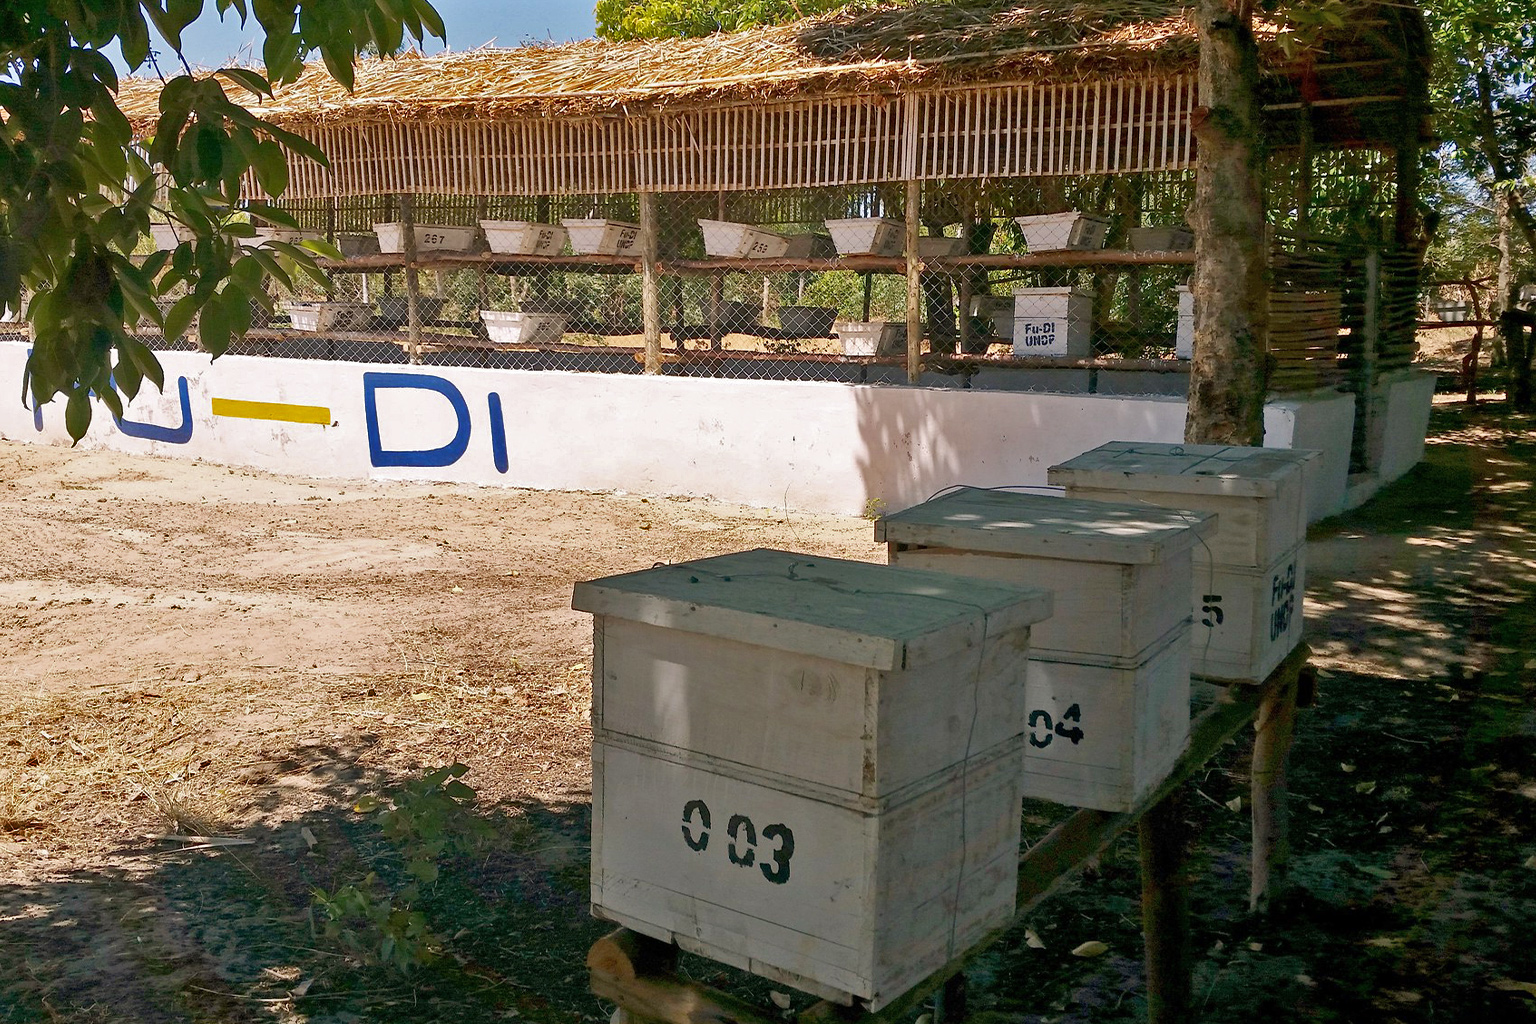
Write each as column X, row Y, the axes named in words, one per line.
column 1274, row 728
column 949, row 1001
column 1165, row 843
column 639, row 975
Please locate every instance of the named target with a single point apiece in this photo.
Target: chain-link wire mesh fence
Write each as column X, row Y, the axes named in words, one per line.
column 1074, row 285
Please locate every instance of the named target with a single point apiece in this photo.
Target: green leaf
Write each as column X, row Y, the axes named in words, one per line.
column 251, row 81
column 77, row 414
column 270, row 163
column 144, row 359
column 430, row 19
column 179, row 317
column 210, row 152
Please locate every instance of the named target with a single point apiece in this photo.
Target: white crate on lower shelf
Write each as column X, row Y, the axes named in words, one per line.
column 730, row 240
column 506, row 327
column 429, row 237
column 595, row 236
column 523, row 237
column 1071, row 229
column 329, row 316
column 999, row 310
column 1052, row 322
column 868, row 236
column 871, row 338
column 799, row 763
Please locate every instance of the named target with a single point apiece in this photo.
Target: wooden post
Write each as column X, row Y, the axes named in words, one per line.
column 1165, row 839
column 412, row 281
column 869, row 293
column 1370, row 342
column 650, row 285
column 1273, row 728
column 914, row 285
column 717, row 290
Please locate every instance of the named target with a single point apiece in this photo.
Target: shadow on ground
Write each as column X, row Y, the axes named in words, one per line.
column 1413, row 880
column 229, row 934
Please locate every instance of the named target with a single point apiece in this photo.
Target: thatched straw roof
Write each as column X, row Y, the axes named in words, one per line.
column 880, row 49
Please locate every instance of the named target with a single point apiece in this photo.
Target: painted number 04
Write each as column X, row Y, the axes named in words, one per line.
column 743, row 841
column 1042, row 730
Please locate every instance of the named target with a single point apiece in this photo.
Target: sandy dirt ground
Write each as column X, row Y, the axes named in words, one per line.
column 193, row 652
column 255, row 611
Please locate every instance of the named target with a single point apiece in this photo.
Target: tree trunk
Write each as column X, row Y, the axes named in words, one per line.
column 1227, row 374
column 1500, row 302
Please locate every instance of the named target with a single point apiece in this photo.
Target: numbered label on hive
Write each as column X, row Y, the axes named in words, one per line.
column 747, row 856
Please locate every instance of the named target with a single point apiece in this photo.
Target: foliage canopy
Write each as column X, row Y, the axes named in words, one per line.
column 669, row 19
column 78, row 191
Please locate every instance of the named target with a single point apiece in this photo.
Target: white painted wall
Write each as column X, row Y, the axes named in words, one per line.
column 829, row 447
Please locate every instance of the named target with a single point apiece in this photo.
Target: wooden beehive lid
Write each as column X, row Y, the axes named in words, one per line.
column 857, row 613
column 1043, row 526
column 1183, row 468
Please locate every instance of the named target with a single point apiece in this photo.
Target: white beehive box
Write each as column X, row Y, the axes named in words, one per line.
column 729, row 239
column 1250, row 572
column 868, row 236
column 329, row 316
column 1184, row 338
column 598, row 237
column 523, row 237
column 939, row 245
column 799, row 762
column 998, row 309
column 168, row 236
column 1052, row 322
column 1108, row 688
column 293, row 236
column 1052, row 232
column 429, row 237
column 516, row 328
column 871, row 338
column 1166, row 238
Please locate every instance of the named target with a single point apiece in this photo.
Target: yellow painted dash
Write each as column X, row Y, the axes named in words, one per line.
column 279, row 411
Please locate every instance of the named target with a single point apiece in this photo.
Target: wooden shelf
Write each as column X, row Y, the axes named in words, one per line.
column 501, row 263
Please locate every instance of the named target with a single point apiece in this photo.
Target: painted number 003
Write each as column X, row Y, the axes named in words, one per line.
column 743, row 837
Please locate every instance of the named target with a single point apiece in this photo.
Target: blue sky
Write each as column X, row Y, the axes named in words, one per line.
column 470, row 23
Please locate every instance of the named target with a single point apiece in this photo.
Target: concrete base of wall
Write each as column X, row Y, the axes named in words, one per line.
column 1324, row 421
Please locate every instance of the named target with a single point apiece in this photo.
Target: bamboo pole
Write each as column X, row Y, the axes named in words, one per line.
column 650, row 287
column 914, row 285
column 412, row 282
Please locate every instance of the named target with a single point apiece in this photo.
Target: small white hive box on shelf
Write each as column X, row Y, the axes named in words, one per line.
column 808, row 768
column 1108, row 687
column 1250, row 574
